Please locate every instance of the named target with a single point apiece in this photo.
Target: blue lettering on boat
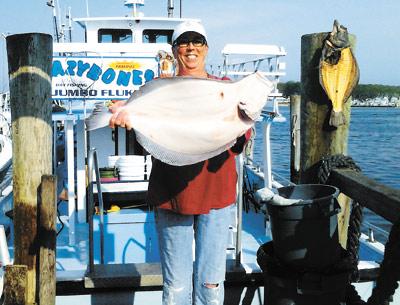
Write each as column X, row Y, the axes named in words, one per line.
column 123, row 78
column 94, row 72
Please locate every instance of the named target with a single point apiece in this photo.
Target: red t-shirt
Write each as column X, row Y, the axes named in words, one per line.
column 197, row 188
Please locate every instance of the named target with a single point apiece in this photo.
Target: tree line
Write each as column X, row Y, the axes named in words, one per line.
column 361, row 92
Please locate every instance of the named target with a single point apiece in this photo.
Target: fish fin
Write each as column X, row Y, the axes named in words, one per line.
column 99, row 117
column 337, row 118
column 246, row 113
column 176, row 158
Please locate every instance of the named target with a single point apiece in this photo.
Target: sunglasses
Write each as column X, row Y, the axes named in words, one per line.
column 184, row 42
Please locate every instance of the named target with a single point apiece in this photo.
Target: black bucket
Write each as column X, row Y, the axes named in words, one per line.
column 307, row 289
column 285, row 286
column 305, row 234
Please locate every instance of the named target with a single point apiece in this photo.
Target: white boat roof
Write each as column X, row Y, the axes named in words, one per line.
column 253, row 49
column 101, row 21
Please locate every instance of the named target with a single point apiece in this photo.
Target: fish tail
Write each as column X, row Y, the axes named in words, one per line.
column 99, row 117
column 337, row 118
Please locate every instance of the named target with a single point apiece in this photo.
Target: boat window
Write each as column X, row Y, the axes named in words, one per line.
column 157, row 36
column 115, row 35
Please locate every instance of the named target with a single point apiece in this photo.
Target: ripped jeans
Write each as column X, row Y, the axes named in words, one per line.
column 185, row 281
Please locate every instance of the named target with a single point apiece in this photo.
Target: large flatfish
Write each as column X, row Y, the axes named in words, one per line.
column 338, row 71
column 185, row 120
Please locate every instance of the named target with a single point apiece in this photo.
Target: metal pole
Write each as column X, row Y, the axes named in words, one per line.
column 53, row 6
column 116, row 141
column 70, row 24
column 267, row 154
column 70, row 157
column 90, row 210
column 87, row 8
column 101, row 206
column 239, row 212
column 170, row 8
column 54, row 147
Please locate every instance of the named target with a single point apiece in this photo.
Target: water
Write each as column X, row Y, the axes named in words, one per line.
column 373, row 144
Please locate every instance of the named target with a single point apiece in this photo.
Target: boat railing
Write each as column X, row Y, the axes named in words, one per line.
column 93, row 166
column 385, row 202
column 379, row 198
column 371, row 229
column 244, row 59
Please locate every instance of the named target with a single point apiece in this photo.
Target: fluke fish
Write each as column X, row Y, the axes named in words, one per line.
column 184, row 120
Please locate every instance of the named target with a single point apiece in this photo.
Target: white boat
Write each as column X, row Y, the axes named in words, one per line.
column 113, row 257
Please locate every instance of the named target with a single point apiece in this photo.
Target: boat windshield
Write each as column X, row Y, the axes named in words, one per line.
column 115, row 36
column 157, row 36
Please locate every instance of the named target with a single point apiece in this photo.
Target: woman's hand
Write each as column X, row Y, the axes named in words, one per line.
column 120, row 115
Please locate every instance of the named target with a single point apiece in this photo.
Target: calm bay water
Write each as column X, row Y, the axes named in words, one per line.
column 374, row 144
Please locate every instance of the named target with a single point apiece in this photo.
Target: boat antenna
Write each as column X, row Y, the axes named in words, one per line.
column 52, row 5
column 180, row 8
column 69, row 17
column 134, row 4
column 170, row 8
column 87, row 8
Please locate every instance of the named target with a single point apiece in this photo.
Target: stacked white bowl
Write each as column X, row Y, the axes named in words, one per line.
column 131, row 167
column 112, row 160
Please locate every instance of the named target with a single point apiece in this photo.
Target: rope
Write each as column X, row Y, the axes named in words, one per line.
column 354, row 231
column 248, row 193
column 329, row 163
column 389, row 275
column 353, row 238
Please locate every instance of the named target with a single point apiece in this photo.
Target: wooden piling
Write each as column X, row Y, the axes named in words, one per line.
column 15, row 281
column 317, row 138
column 29, row 66
column 47, row 239
column 294, row 138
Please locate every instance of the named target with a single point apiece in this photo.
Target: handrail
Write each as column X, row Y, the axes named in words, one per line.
column 93, row 162
column 253, row 60
column 239, row 212
column 379, row 198
column 90, row 209
column 370, row 226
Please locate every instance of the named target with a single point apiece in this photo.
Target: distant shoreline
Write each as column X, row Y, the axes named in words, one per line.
column 355, row 106
column 374, row 106
column 361, row 104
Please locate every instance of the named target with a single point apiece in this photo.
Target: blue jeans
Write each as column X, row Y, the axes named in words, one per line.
column 185, row 281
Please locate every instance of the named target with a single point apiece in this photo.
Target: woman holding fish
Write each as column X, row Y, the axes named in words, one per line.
column 192, row 201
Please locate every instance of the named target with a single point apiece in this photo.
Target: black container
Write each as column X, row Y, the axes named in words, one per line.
column 286, row 286
column 305, row 234
column 307, row 289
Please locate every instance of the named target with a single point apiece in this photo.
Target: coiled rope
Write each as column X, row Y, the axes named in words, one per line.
column 354, row 230
column 389, row 274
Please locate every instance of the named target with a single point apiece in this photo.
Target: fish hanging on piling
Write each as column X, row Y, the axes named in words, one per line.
column 185, row 120
column 338, row 71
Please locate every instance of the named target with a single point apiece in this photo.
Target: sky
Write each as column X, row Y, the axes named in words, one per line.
column 376, row 25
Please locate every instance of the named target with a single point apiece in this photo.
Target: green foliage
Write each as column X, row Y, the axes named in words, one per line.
column 289, row 88
column 361, row 92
